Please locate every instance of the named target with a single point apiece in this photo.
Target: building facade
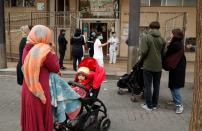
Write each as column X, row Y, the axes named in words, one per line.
column 104, row 16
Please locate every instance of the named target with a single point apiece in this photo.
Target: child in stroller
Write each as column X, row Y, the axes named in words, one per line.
column 133, row 82
column 89, row 109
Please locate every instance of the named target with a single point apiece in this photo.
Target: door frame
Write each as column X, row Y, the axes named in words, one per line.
column 116, row 27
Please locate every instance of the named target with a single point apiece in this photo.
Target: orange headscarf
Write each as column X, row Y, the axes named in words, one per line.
column 39, row 36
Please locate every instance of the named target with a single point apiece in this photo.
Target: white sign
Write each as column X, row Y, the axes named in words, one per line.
column 41, row 6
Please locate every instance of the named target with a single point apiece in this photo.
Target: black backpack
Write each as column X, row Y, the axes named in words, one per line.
column 122, row 82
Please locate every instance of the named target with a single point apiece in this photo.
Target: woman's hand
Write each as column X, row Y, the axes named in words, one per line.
column 52, row 45
column 60, row 74
column 102, row 45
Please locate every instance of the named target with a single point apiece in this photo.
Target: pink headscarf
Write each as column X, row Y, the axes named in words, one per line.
column 39, row 36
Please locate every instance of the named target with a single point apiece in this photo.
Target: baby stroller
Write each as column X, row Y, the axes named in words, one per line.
column 93, row 111
column 133, row 81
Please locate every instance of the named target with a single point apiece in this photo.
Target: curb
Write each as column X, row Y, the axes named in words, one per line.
column 66, row 74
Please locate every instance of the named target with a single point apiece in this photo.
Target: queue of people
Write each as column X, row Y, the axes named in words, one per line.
column 156, row 54
column 38, row 61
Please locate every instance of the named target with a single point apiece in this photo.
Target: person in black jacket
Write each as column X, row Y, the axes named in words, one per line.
column 62, row 47
column 90, row 43
column 25, row 31
column 77, row 42
column 177, row 75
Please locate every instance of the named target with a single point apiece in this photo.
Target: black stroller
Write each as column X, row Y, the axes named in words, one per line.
column 133, row 81
column 93, row 113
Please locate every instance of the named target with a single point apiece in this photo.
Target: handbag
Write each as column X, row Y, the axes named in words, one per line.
column 171, row 61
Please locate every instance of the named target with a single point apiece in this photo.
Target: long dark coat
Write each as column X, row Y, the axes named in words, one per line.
column 77, row 43
column 62, row 43
column 19, row 65
column 177, row 76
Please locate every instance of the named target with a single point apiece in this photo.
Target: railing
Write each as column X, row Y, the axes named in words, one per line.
column 54, row 20
column 178, row 21
column 14, row 20
column 70, row 21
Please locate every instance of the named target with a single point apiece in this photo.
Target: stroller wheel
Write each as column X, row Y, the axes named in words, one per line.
column 105, row 124
column 60, row 127
column 120, row 92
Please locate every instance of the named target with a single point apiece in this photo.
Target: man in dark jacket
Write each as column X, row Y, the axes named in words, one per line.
column 151, row 50
column 62, row 47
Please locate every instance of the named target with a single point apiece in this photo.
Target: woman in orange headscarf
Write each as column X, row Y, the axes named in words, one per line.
column 38, row 62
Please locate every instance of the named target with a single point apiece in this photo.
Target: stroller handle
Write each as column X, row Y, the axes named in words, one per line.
column 77, row 84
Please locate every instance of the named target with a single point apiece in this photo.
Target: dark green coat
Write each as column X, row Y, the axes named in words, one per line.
column 152, row 47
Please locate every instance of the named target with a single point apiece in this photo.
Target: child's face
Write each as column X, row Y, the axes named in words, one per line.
column 81, row 77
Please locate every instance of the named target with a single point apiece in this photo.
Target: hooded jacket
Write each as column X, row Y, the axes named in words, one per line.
column 152, row 47
column 77, row 41
column 62, row 42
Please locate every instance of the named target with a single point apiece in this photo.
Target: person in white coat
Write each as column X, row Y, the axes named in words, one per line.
column 98, row 53
column 113, row 42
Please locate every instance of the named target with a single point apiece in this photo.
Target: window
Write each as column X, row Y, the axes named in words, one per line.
column 168, row 2
column 29, row 3
column 155, row 2
column 99, row 8
column 6, row 3
column 145, row 2
column 189, row 2
column 174, row 3
column 19, row 3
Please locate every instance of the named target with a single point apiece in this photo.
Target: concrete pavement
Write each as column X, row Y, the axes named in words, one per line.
column 124, row 114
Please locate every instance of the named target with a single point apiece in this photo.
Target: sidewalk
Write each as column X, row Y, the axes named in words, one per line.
column 124, row 114
column 113, row 71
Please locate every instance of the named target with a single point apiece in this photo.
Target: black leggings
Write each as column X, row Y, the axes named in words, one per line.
column 75, row 59
column 62, row 55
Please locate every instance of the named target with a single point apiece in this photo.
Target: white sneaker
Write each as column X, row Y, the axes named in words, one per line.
column 154, row 108
column 179, row 109
column 144, row 106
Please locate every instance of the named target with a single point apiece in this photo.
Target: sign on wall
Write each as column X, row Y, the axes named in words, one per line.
column 40, row 6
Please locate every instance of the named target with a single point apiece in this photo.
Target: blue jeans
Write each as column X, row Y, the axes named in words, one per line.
column 177, row 98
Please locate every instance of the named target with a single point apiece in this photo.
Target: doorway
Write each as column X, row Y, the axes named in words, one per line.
column 62, row 5
column 62, row 15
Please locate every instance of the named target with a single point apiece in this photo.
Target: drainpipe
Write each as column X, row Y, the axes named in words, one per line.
column 133, row 39
column 3, row 62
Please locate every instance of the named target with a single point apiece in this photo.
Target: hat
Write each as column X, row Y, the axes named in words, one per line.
column 83, row 70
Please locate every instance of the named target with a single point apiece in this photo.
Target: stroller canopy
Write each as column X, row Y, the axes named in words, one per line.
column 97, row 73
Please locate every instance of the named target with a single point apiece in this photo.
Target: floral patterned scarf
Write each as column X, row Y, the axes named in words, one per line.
column 40, row 37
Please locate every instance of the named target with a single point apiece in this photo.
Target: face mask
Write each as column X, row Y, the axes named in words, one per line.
column 100, row 37
column 93, row 34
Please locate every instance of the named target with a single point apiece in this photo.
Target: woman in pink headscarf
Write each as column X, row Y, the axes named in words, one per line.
column 38, row 62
